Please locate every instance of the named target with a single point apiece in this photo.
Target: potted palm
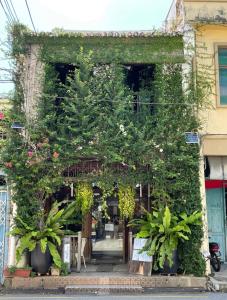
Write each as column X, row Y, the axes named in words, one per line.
column 163, row 231
column 43, row 239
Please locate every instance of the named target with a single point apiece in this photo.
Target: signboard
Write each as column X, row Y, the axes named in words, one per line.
column 141, row 263
column 137, row 247
column 192, row 137
column 109, row 227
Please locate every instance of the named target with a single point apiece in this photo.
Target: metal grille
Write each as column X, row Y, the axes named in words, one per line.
column 2, row 135
column 3, row 206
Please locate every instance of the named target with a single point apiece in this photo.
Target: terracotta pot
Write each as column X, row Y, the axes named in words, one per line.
column 22, row 273
column 18, row 273
column 7, row 273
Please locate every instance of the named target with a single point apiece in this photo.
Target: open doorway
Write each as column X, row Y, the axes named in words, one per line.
column 107, row 231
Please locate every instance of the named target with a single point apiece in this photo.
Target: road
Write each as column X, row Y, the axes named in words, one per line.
column 169, row 296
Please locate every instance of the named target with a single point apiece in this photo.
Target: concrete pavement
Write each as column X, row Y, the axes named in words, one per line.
column 218, row 281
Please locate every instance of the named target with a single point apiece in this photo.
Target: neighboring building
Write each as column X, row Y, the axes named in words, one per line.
column 203, row 24
column 4, row 195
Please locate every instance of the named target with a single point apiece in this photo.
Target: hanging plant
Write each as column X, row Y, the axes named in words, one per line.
column 84, row 197
column 126, row 196
column 107, row 191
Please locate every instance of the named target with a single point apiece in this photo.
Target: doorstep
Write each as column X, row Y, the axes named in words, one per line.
column 97, row 279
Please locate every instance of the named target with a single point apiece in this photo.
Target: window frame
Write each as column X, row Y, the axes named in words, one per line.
column 218, row 46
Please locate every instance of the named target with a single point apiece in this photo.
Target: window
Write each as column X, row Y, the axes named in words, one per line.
column 222, row 61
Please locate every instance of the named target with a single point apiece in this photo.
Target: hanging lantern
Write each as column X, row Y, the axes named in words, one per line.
column 71, row 190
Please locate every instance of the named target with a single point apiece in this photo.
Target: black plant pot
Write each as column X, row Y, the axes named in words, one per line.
column 171, row 270
column 40, row 262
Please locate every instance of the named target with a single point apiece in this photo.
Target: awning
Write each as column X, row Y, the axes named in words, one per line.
column 218, row 167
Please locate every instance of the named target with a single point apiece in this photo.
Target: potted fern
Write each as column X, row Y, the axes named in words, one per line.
column 163, row 231
column 44, row 239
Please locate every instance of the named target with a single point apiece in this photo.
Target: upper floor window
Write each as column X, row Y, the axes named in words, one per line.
column 222, row 61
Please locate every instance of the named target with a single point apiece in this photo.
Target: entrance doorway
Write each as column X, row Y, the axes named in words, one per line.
column 216, row 214
column 107, row 233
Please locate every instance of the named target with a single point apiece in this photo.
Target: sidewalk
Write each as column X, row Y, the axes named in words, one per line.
column 218, row 282
column 114, row 282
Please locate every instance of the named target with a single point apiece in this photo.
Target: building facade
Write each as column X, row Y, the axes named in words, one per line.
column 203, row 24
column 166, row 172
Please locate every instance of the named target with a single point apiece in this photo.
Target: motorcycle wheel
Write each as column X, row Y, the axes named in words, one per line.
column 215, row 262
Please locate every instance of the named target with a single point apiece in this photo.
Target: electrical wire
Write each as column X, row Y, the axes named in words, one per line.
column 30, row 15
column 7, row 70
column 9, row 11
column 130, row 102
column 14, row 11
column 7, row 16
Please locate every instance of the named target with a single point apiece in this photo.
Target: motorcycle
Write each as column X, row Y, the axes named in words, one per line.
column 215, row 256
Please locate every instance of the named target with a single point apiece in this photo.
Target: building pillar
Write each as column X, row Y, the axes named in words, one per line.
column 205, row 241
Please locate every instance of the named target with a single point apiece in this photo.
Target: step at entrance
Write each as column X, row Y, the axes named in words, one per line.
column 103, row 289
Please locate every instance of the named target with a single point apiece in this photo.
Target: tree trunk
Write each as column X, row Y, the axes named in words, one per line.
column 86, row 233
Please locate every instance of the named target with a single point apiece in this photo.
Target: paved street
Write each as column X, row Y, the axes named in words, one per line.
column 169, row 296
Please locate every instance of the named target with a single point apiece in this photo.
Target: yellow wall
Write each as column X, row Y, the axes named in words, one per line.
column 214, row 116
column 209, row 21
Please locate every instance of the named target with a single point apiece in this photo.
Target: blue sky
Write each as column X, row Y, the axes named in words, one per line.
column 85, row 15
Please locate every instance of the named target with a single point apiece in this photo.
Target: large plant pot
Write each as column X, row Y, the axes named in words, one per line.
column 171, row 270
column 40, row 262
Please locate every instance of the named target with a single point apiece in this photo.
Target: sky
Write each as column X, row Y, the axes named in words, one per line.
column 82, row 15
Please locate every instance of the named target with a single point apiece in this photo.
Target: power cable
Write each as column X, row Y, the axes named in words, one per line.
column 14, row 11
column 30, row 15
column 7, row 16
column 129, row 102
column 7, row 70
column 9, row 11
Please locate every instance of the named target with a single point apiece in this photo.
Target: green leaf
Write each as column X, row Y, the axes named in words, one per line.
column 55, row 255
column 143, row 234
column 43, row 244
column 166, row 218
column 181, row 235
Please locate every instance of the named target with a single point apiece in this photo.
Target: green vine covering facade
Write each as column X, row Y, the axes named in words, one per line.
column 93, row 114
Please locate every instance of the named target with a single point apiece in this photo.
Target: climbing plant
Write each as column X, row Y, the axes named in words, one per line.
column 92, row 115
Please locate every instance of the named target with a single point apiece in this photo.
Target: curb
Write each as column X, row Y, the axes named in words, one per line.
column 215, row 285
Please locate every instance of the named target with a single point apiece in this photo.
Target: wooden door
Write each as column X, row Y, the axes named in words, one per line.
column 216, row 218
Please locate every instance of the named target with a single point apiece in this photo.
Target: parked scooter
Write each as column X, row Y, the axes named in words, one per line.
column 215, row 256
